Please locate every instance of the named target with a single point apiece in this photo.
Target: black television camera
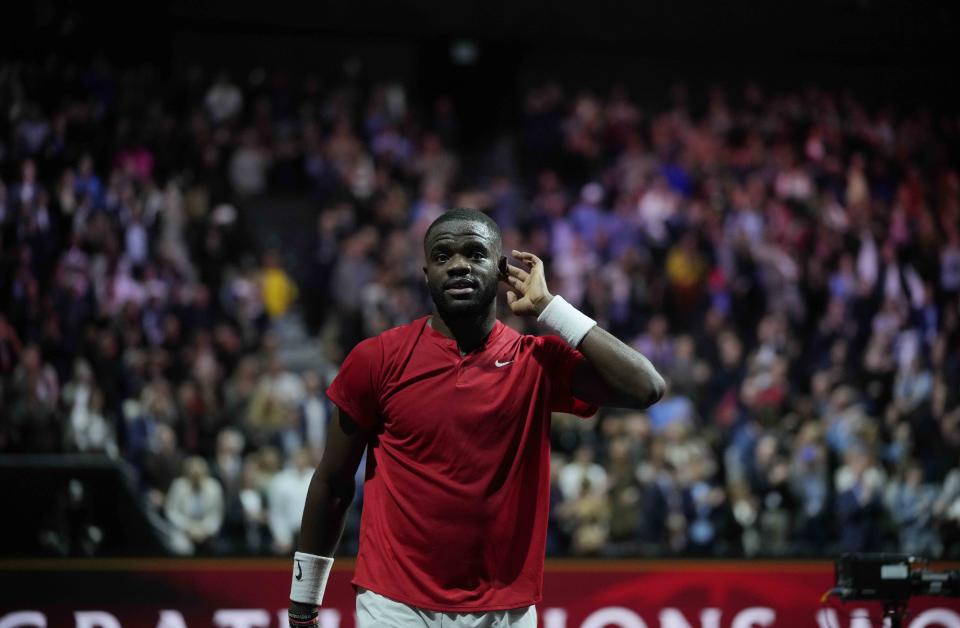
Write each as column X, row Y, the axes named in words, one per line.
column 892, row 579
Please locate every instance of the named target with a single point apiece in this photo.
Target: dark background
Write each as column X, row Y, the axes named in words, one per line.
column 886, row 50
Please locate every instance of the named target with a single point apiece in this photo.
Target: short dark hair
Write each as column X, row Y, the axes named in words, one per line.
column 466, row 214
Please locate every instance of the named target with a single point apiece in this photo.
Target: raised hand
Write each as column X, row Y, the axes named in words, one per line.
column 529, row 294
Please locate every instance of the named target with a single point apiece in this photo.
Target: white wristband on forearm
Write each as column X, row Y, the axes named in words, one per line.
column 567, row 321
column 310, row 574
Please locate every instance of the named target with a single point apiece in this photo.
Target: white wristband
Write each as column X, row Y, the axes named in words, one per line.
column 310, row 574
column 570, row 323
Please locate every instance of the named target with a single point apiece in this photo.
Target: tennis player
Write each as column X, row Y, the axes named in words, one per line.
column 454, row 411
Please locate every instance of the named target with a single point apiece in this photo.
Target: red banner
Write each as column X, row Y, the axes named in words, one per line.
column 165, row 593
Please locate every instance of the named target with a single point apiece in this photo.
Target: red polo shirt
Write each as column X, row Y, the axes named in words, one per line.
column 458, row 472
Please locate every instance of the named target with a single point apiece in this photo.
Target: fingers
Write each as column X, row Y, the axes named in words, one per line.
column 515, row 283
column 511, row 297
column 517, row 272
column 528, row 258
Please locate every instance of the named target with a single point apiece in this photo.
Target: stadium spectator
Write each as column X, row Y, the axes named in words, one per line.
column 859, row 484
column 311, row 427
column 161, row 464
column 624, row 496
column 10, row 346
column 245, row 510
column 278, row 290
column 946, row 511
column 248, row 166
column 33, row 413
column 195, row 504
column 228, row 461
column 586, row 516
column 582, row 475
column 286, row 495
column 810, row 487
column 909, row 503
column 88, row 430
column 273, row 405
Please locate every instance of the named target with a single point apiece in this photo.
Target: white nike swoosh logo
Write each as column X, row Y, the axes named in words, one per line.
column 499, row 363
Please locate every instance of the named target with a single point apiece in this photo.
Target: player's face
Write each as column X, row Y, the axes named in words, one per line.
column 462, row 268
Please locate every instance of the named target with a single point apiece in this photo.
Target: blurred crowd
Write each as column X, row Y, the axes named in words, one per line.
column 789, row 261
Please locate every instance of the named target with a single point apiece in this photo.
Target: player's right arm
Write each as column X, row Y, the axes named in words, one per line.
column 329, row 497
column 333, row 487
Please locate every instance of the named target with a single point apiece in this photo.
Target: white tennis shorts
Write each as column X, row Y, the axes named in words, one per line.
column 376, row 611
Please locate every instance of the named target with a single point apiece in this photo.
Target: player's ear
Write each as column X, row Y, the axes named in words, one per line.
column 426, row 279
column 502, row 266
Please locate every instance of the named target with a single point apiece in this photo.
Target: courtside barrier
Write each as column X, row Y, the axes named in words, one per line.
column 251, row 593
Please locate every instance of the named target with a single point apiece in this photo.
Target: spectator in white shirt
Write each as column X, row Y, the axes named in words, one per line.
column 286, row 496
column 582, row 469
column 195, row 503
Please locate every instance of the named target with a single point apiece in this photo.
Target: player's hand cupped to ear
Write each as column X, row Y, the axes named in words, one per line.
column 529, row 294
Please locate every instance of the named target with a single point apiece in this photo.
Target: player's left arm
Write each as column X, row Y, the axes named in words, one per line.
column 613, row 374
